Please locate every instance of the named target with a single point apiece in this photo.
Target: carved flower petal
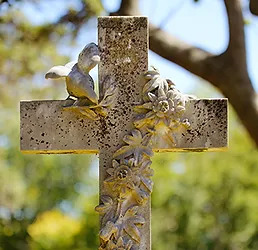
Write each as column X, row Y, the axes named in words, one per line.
column 150, row 85
column 100, row 110
column 161, row 92
column 171, row 103
column 170, row 94
column 152, row 97
column 137, row 154
column 162, row 98
column 180, row 108
column 115, row 163
column 110, row 171
column 133, row 232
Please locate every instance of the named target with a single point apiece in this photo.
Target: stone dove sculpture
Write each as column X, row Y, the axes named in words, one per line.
column 79, row 83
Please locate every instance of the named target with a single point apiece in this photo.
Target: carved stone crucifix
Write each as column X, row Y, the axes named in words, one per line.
column 148, row 115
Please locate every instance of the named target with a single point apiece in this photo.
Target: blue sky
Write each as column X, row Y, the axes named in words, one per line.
column 202, row 24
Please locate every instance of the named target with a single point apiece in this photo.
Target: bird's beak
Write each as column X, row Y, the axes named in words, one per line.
column 96, row 59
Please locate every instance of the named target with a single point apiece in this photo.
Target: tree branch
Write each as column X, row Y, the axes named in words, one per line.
column 236, row 45
column 254, row 7
column 194, row 59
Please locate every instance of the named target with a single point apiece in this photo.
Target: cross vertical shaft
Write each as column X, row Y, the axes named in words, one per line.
column 123, row 44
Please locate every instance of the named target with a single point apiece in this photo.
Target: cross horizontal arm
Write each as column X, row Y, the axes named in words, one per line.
column 208, row 128
column 46, row 128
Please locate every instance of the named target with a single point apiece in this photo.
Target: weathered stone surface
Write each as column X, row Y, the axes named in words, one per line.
column 47, row 128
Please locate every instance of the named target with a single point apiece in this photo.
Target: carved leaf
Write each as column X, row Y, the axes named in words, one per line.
column 140, row 195
column 140, row 122
column 135, row 146
column 107, row 202
column 106, row 208
column 130, row 222
column 109, row 97
column 100, row 110
column 133, row 232
column 108, row 230
column 131, row 211
column 148, row 183
column 88, row 113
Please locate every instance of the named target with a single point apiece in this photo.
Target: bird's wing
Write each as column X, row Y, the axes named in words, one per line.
column 81, row 86
column 57, row 72
column 70, row 64
column 88, row 88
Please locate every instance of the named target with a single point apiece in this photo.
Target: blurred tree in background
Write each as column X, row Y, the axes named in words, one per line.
column 200, row 200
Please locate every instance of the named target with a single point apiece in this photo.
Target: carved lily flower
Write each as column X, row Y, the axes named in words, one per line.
column 122, row 176
column 137, row 146
column 154, row 81
column 165, row 105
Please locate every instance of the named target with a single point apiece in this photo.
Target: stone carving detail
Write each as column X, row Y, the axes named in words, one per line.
column 94, row 112
column 128, row 182
column 80, row 85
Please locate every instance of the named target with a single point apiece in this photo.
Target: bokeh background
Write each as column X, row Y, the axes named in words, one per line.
column 200, row 200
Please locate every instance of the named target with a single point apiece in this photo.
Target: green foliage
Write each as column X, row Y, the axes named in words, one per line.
column 200, row 200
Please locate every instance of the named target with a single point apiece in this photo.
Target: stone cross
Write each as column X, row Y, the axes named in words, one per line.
column 148, row 115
